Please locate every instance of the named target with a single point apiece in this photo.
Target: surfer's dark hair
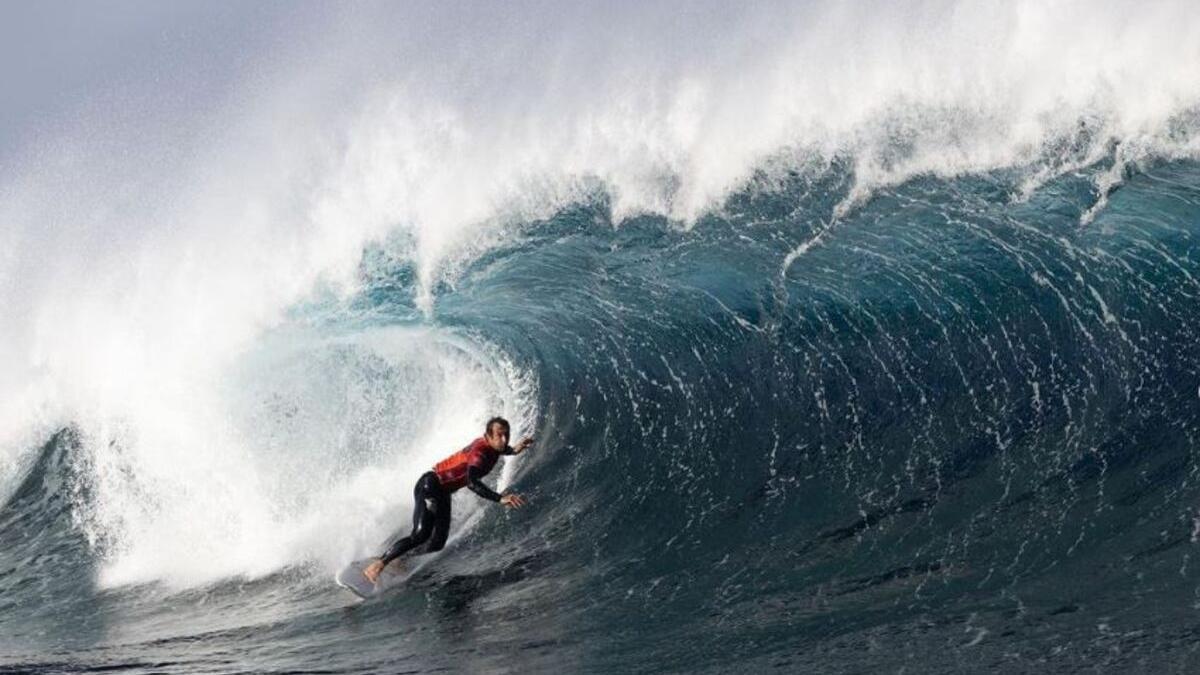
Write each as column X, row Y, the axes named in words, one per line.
column 487, row 430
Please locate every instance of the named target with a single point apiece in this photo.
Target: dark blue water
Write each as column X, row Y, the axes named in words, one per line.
column 949, row 430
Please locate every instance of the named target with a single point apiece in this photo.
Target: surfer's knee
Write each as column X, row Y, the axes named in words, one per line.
column 421, row 534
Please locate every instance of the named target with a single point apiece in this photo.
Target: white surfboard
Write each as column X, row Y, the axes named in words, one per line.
column 351, row 578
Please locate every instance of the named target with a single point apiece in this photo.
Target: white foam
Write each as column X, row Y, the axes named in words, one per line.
column 147, row 245
column 308, row 452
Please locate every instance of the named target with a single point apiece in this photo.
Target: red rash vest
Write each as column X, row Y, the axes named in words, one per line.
column 452, row 471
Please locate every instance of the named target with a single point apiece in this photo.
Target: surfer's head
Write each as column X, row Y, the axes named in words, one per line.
column 496, row 433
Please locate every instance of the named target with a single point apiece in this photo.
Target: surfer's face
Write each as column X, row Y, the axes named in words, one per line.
column 497, row 436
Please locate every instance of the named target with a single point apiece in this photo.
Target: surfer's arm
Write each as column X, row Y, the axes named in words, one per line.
column 475, row 484
column 521, row 447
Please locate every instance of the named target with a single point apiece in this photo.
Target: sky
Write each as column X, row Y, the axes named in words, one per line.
column 60, row 61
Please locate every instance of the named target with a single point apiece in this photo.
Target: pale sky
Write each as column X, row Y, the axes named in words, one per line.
column 59, row 58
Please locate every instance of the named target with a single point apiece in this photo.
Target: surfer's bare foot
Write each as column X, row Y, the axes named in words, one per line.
column 371, row 572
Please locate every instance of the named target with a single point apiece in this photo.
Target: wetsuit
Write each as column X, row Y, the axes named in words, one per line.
column 431, row 496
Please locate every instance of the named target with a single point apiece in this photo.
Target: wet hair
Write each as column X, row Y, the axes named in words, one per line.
column 487, row 430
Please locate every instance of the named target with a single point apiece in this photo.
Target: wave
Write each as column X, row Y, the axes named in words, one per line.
column 953, row 401
column 830, row 304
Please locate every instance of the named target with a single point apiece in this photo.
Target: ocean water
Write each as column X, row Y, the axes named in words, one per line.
column 854, row 338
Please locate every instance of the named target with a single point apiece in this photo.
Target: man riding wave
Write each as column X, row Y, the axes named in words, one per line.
column 431, row 496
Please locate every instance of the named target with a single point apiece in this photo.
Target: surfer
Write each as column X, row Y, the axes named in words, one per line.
column 431, row 497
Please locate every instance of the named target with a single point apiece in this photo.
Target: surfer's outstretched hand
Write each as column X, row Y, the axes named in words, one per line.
column 371, row 572
column 513, row 501
column 523, row 445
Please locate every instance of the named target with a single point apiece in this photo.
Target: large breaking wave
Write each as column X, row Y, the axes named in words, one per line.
column 838, row 326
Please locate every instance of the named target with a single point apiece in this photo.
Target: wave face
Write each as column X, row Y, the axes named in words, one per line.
column 852, row 339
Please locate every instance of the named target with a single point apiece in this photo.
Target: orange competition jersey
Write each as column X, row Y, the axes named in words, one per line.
column 452, row 471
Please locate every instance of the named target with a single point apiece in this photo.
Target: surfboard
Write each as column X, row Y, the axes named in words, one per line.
column 351, row 578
